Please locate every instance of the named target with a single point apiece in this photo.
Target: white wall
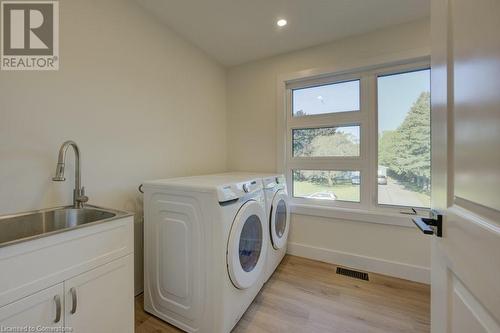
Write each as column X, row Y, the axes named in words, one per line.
column 140, row 102
column 251, row 109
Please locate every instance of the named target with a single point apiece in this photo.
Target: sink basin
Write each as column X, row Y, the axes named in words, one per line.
column 26, row 226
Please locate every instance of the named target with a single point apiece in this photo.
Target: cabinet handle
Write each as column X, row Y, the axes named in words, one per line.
column 57, row 300
column 73, row 300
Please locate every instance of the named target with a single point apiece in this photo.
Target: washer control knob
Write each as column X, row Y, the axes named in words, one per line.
column 245, row 188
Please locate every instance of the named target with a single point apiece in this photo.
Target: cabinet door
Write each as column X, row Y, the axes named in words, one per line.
column 102, row 300
column 42, row 309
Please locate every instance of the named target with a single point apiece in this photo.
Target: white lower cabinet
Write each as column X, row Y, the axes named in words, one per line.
column 42, row 309
column 99, row 300
column 82, row 280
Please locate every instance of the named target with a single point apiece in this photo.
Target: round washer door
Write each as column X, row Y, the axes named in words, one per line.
column 279, row 220
column 247, row 245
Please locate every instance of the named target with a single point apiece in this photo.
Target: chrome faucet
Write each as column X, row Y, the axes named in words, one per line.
column 79, row 197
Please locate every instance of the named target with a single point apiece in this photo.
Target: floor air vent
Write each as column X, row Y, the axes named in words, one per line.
column 353, row 274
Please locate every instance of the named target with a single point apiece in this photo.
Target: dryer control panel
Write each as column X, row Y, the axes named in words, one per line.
column 274, row 182
column 235, row 191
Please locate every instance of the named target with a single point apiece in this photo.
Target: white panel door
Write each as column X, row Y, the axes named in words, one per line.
column 102, row 300
column 42, row 309
column 466, row 165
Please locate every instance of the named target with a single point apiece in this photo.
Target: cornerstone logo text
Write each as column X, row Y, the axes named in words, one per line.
column 30, row 35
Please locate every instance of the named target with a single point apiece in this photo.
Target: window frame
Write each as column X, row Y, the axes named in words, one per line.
column 367, row 118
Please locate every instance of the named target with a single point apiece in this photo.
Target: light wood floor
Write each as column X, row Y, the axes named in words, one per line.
column 308, row 296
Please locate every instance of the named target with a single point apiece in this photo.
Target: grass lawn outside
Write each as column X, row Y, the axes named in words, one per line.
column 344, row 192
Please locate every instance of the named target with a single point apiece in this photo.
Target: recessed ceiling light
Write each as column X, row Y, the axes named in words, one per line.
column 281, row 23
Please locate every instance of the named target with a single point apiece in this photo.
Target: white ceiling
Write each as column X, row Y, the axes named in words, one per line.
column 238, row 31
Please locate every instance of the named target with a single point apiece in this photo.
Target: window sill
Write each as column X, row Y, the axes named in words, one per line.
column 358, row 215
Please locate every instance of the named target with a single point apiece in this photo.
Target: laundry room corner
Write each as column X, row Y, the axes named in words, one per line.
column 252, row 131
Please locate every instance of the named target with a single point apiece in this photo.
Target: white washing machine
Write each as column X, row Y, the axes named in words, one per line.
column 277, row 212
column 205, row 250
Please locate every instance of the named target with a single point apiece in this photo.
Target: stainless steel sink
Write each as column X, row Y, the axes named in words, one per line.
column 26, row 226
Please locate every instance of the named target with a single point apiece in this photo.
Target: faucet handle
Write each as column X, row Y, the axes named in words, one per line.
column 80, row 197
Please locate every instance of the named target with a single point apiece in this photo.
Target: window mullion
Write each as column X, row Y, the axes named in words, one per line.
column 343, row 118
column 327, row 163
column 369, row 188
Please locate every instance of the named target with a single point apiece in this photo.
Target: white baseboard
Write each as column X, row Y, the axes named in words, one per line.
column 392, row 268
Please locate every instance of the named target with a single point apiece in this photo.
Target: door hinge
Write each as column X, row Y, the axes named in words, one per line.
column 430, row 225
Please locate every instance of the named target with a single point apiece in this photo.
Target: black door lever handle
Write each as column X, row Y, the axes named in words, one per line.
column 429, row 226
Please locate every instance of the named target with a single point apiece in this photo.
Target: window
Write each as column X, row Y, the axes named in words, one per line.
column 404, row 139
column 327, row 98
column 326, row 141
column 360, row 140
column 326, row 185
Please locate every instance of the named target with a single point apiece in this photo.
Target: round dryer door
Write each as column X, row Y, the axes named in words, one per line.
column 247, row 245
column 279, row 220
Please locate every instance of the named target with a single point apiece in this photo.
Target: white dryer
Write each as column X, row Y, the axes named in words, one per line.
column 206, row 243
column 277, row 211
column 278, row 217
